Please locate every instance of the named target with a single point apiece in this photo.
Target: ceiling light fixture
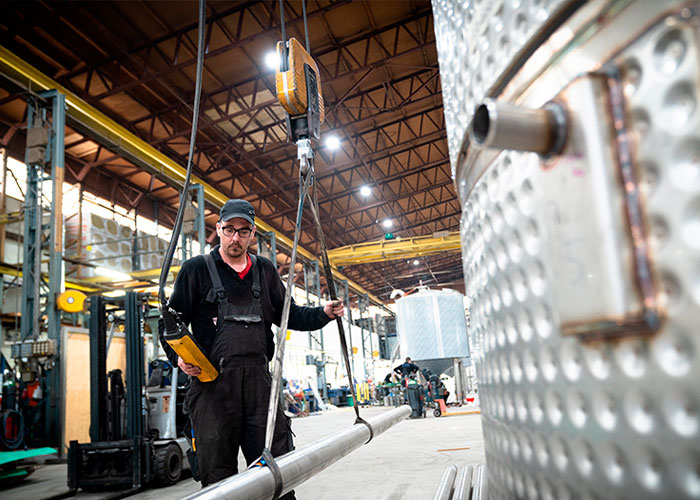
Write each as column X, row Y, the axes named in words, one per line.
column 272, row 60
column 416, row 262
column 387, row 223
column 365, row 191
column 332, row 142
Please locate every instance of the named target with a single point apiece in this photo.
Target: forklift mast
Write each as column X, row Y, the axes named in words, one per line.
column 113, row 458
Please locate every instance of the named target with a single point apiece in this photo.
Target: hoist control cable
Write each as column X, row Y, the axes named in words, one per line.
column 170, row 316
column 306, row 26
column 284, row 64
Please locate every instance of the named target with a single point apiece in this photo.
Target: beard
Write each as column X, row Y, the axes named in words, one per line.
column 234, row 249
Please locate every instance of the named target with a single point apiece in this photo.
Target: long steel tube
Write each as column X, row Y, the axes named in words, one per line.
column 463, row 483
column 480, row 490
column 444, row 491
column 499, row 125
column 300, row 465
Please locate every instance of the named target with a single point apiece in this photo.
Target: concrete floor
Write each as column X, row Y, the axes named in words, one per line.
column 403, row 463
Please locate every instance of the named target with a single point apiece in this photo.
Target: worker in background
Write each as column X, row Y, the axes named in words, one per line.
column 406, row 369
column 231, row 299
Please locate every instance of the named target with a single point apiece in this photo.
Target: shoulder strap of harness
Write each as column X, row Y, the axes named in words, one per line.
column 256, row 277
column 215, row 278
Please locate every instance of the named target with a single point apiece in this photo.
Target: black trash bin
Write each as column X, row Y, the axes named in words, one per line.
column 416, row 400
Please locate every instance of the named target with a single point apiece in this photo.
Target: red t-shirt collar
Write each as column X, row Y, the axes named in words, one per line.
column 249, row 264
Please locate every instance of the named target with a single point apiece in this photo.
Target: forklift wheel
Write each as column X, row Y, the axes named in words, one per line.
column 167, row 465
column 437, row 412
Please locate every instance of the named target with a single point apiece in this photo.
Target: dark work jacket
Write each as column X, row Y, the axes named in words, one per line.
column 406, row 369
column 194, row 298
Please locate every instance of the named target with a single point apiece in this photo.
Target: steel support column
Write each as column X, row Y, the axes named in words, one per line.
column 311, row 278
column 349, row 314
column 198, row 226
column 133, row 331
column 53, row 424
column 3, row 203
column 366, row 326
column 317, row 285
column 98, row 369
column 45, row 146
column 200, row 222
column 459, row 387
column 31, row 267
column 135, row 244
column 265, row 250
column 309, row 302
column 360, row 308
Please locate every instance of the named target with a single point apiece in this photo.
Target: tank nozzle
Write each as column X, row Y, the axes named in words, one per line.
column 499, row 125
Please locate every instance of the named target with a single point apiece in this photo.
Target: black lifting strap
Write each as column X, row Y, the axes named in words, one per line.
column 331, row 291
column 360, row 420
column 269, row 460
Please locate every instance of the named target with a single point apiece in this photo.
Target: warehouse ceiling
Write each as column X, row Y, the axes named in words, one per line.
column 135, row 62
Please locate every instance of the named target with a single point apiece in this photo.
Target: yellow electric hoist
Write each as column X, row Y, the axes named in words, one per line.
column 299, row 89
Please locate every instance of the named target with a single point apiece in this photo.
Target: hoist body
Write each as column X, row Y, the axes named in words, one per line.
column 299, row 90
column 181, row 340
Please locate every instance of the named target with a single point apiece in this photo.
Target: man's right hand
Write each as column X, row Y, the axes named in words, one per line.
column 191, row 370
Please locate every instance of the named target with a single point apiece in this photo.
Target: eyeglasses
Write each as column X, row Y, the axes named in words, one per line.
column 243, row 232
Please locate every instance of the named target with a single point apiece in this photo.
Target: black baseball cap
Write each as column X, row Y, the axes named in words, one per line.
column 237, row 209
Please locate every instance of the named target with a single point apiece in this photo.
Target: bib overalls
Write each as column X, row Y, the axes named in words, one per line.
column 231, row 411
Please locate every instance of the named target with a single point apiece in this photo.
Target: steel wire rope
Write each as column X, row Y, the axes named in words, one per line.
column 305, row 180
column 177, row 227
column 330, row 283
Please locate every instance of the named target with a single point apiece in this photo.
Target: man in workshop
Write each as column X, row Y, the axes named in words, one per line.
column 406, row 369
column 231, row 299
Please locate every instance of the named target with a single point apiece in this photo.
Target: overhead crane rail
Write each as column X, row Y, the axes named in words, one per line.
column 406, row 248
column 83, row 286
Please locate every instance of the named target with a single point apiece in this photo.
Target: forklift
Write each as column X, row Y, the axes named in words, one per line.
column 133, row 424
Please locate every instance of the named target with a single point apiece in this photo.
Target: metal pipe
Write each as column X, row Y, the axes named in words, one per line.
column 458, row 381
column 463, row 483
column 480, row 491
column 499, row 125
column 300, row 465
column 444, row 491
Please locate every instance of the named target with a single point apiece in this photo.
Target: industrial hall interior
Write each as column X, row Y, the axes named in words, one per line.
column 350, row 249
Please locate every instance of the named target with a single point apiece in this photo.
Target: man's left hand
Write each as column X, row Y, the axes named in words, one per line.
column 334, row 309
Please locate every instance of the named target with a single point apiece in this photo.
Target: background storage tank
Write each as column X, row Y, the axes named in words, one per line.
column 580, row 241
column 432, row 328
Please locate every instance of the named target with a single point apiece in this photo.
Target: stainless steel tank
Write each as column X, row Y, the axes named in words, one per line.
column 574, row 135
column 431, row 324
